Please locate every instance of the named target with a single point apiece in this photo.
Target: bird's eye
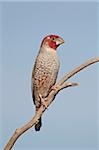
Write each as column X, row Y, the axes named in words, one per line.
column 53, row 38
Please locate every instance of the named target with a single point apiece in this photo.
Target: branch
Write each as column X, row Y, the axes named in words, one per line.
column 81, row 67
column 48, row 100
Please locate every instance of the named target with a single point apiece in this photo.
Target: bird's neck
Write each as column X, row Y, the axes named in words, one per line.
column 48, row 50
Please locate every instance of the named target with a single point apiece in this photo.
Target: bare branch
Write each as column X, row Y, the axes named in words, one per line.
column 81, row 67
column 48, row 100
column 68, row 84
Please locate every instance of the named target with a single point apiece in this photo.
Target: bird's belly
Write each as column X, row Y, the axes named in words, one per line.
column 44, row 81
column 45, row 77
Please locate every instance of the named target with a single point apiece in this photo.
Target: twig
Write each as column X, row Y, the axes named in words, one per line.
column 59, row 86
column 81, row 67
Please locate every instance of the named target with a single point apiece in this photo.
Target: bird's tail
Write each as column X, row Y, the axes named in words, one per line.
column 38, row 125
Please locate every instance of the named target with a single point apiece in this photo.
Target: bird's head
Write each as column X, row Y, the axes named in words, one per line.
column 52, row 41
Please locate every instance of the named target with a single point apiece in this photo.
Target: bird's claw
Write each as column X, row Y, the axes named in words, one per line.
column 43, row 101
column 54, row 87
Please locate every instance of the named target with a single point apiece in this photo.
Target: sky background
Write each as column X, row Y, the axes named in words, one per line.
column 71, row 122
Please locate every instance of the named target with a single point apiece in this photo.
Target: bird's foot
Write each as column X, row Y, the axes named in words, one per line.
column 43, row 101
column 55, row 87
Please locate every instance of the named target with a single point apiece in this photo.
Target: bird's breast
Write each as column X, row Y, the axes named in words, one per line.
column 45, row 73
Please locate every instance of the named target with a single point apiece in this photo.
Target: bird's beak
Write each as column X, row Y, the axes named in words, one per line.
column 59, row 41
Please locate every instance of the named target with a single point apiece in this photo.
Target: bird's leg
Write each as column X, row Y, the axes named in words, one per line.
column 42, row 101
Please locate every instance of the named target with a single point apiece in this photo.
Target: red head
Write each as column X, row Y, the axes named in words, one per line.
column 52, row 41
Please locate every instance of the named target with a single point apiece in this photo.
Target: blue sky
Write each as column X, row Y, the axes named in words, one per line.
column 72, row 120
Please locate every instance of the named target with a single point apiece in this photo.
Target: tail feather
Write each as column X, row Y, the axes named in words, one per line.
column 38, row 125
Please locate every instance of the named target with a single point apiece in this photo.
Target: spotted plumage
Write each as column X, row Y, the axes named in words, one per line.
column 45, row 70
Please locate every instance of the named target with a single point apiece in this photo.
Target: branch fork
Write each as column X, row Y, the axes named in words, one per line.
column 48, row 100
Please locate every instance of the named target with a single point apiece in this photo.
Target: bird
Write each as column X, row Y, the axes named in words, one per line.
column 45, row 71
